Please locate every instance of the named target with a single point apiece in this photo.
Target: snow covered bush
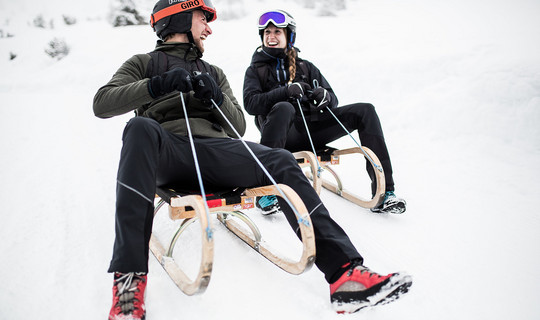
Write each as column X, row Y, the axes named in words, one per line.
column 57, row 49
column 325, row 7
column 328, row 8
column 69, row 20
column 5, row 34
column 338, row 4
column 5, row 29
column 39, row 21
column 309, row 4
column 124, row 13
column 230, row 9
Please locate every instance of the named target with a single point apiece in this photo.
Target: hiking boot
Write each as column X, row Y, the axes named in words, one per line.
column 128, row 296
column 268, row 204
column 390, row 204
column 360, row 287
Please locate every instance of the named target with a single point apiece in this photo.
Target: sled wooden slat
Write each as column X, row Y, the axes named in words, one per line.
column 177, row 211
column 337, row 188
column 310, row 160
column 306, row 231
column 199, row 284
column 190, row 208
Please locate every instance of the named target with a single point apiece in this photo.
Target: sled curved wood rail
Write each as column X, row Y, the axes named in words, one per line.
column 190, row 208
column 307, row 159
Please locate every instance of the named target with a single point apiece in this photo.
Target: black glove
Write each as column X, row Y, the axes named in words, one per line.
column 206, row 88
column 297, row 90
column 175, row 79
column 321, row 98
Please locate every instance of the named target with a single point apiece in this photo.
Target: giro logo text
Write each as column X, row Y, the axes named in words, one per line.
column 187, row 4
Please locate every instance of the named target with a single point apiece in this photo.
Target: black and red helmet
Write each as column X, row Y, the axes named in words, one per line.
column 174, row 16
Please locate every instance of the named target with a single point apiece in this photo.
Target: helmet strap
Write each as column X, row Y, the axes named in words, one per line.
column 292, row 39
column 190, row 37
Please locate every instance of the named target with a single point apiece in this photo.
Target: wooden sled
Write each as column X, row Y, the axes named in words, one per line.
column 331, row 156
column 190, row 208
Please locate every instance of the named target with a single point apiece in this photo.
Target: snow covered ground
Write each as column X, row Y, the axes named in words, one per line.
column 456, row 85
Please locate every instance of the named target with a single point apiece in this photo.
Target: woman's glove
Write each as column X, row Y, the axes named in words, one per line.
column 297, row 90
column 320, row 98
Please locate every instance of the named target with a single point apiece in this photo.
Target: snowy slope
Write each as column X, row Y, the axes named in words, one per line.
column 456, row 85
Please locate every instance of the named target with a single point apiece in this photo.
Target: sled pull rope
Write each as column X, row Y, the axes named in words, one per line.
column 209, row 232
column 365, row 154
column 300, row 219
column 319, row 169
column 315, row 86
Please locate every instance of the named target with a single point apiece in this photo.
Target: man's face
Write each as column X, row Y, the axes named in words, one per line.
column 274, row 37
column 200, row 29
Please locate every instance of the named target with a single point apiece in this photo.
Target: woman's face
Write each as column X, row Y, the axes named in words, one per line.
column 274, row 37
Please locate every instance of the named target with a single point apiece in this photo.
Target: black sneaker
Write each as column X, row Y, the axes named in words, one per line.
column 391, row 204
column 268, row 204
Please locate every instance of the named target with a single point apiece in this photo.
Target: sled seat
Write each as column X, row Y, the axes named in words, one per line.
column 328, row 157
column 229, row 200
column 325, row 156
column 227, row 205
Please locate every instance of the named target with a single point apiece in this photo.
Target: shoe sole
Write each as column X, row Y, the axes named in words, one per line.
column 396, row 286
column 269, row 212
column 397, row 208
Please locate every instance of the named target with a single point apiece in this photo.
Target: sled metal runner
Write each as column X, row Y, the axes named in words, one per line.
column 190, row 208
column 327, row 159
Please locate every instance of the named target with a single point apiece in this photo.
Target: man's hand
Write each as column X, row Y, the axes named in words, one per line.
column 206, row 88
column 175, row 79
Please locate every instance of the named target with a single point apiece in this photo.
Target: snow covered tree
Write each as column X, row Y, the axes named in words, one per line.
column 325, row 7
column 57, row 49
column 39, row 21
column 125, row 13
column 230, row 9
column 328, row 8
column 5, row 34
column 69, row 20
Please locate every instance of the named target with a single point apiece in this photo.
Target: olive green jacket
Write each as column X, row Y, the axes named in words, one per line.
column 128, row 91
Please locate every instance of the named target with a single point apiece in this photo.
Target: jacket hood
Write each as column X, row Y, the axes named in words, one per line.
column 267, row 55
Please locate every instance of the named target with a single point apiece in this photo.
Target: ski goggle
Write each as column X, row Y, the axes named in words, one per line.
column 205, row 5
column 277, row 18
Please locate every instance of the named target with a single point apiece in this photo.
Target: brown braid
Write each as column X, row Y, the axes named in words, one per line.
column 291, row 54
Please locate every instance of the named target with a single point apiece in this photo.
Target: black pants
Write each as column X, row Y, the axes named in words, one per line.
column 152, row 156
column 283, row 128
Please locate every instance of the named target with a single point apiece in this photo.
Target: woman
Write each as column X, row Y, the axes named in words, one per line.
column 278, row 81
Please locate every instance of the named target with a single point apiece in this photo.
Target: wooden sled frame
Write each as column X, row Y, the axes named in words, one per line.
column 307, row 159
column 190, row 208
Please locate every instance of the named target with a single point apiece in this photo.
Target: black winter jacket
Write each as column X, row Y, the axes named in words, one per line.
column 261, row 94
column 128, row 91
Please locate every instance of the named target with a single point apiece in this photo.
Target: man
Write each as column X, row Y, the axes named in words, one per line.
column 156, row 152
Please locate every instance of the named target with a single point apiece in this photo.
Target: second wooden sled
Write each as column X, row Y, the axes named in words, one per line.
column 190, row 208
column 331, row 156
